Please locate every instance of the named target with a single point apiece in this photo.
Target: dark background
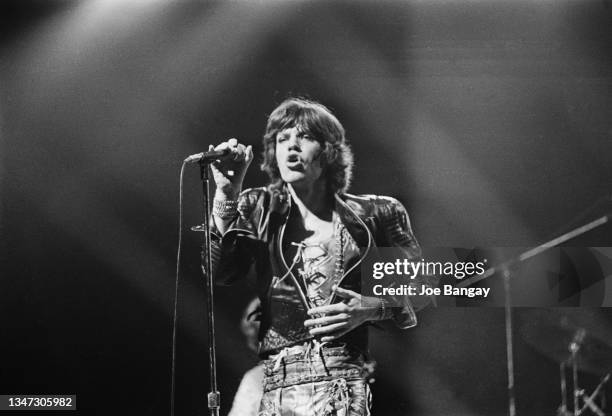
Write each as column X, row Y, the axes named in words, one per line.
column 490, row 120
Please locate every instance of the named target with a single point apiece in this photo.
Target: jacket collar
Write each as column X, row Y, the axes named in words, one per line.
column 352, row 214
column 353, row 217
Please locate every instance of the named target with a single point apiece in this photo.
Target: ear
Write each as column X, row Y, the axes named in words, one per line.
column 331, row 153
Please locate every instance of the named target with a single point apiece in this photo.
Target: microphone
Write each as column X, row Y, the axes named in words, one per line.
column 208, row 156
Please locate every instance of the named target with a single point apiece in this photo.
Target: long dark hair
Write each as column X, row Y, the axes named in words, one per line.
column 318, row 121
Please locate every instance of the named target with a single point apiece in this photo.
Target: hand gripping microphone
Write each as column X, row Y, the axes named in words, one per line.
column 208, row 156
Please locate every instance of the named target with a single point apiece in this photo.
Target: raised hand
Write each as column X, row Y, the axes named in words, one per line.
column 229, row 171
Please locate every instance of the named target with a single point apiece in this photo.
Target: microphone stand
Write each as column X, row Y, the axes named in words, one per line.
column 574, row 348
column 505, row 269
column 213, row 397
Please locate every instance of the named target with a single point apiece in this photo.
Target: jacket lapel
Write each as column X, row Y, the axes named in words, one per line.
column 353, row 217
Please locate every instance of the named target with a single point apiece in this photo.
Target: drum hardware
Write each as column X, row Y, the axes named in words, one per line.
column 505, row 269
column 589, row 401
column 578, row 351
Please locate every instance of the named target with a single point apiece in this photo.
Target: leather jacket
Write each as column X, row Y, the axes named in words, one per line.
column 253, row 247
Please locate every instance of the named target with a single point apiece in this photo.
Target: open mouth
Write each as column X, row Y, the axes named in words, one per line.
column 294, row 162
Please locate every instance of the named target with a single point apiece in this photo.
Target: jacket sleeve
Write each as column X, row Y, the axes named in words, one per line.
column 398, row 233
column 234, row 253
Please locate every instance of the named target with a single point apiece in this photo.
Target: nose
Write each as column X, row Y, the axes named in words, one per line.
column 294, row 141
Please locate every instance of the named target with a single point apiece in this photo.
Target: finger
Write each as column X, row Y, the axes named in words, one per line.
column 335, row 336
column 233, row 142
column 213, row 165
column 336, row 307
column 222, row 146
column 249, row 154
column 331, row 319
column 239, row 153
column 328, row 329
column 219, row 147
column 345, row 293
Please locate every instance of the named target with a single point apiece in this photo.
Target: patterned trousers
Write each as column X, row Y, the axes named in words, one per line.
column 315, row 380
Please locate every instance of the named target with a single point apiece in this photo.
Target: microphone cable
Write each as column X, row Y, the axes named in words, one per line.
column 176, row 288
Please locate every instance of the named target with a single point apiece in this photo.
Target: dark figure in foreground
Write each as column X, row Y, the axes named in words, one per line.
column 303, row 239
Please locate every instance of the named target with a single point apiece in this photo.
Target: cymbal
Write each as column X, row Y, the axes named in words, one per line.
column 556, row 339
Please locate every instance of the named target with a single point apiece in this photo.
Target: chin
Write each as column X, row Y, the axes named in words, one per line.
column 293, row 177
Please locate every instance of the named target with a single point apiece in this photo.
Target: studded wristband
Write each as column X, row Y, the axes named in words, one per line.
column 384, row 311
column 225, row 208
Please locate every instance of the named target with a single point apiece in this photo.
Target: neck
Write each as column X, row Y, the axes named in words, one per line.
column 313, row 200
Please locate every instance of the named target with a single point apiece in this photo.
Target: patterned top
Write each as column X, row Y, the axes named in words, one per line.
column 322, row 263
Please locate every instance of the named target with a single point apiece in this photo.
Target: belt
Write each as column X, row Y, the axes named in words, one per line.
column 312, row 362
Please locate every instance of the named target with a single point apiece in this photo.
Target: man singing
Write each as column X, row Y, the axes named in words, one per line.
column 303, row 239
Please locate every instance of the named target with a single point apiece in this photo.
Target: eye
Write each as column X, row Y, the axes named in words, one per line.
column 281, row 138
column 306, row 136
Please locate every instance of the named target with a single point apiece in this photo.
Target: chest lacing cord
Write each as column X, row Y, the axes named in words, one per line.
column 338, row 271
column 294, row 262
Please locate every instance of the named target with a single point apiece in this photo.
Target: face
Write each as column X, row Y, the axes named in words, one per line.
column 298, row 156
